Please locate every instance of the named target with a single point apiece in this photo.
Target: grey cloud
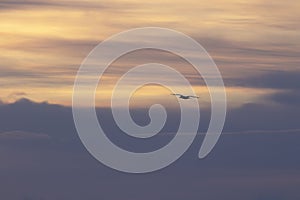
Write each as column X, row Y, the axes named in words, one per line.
column 7, row 72
column 57, row 121
column 229, row 56
column 51, row 74
column 68, row 47
column 248, row 166
column 38, row 77
column 6, row 4
column 17, row 4
column 53, row 120
column 237, row 49
column 286, row 84
column 256, row 65
column 279, row 80
column 73, row 4
column 272, row 79
column 289, row 97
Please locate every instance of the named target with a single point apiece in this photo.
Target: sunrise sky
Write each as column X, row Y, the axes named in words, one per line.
column 254, row 43
column 44, row 42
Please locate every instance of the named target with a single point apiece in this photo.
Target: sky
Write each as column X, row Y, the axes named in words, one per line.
column 256, row 46
column 44, row 42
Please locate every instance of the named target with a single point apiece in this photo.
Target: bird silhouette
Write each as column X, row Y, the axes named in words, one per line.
column 185, row 96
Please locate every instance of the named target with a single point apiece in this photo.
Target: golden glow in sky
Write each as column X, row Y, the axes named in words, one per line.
column 43, row 43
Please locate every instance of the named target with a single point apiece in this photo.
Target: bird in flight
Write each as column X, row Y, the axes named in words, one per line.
column 185, row 96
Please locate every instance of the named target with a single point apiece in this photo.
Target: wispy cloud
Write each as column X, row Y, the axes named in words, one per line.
column 44, row 42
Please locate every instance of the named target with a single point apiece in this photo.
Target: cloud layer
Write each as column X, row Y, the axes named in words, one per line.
column 44, row 42
column 49, row 162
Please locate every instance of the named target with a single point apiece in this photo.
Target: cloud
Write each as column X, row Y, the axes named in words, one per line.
column 43, row 45
column 33, row 4
column 14, row 4
column 282, row 81
column 25, row 115
column 57, row 121
column 289, row 97
column 260, row 161
column 285, row 85
column 277, row 80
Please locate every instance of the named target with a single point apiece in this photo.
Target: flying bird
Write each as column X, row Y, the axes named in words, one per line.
column 185, row 96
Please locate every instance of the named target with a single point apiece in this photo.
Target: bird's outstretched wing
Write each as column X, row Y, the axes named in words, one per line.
column 194, row 97
column 185, row 97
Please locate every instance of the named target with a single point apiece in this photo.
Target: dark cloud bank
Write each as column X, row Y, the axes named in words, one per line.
column 256, row 158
